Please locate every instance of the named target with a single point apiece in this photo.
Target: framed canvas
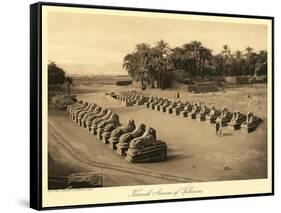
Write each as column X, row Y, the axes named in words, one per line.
column 133, row 105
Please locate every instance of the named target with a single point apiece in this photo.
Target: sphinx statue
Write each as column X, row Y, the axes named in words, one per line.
column 119, row 131
column 90, row 115
column 135, row 98
column 169, row 109
column 195, row 109
column 129, row 98
column 128, row 95
column 74, row 107
column 91, row 110
column 118, row 97
column 213, row 115
column 149, row 101
column 78, row 109
column 178, row 108
column 148, row 138
column 107, row 132
column 155, row 102
column 225, row 117
column 70, row 107
column 82, row 113
column 124, row 140
column 90, row 119
column 186, row 109
column 236, row 120
column 201, row 116
column 165, row 104
column 113, row 119
column 128, row 102
column 121, row 96
column 142, row 99
column 160, row 103
column 251, row 122
column 96, row 121
column 147, row 148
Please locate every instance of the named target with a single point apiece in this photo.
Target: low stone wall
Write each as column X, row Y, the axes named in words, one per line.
column 203, row 87
column 244, row 79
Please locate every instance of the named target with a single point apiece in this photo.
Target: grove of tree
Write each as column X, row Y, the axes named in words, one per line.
column 155, row 63
column 56, row 75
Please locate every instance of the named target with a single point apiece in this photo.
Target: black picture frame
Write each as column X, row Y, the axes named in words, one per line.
column 36, row 102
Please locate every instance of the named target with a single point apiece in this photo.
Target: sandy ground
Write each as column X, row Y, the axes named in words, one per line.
column 195, row 153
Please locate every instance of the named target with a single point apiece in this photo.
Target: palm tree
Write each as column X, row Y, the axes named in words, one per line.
column 225, row 49
column 219, row 64
column 226, row 53
column 249, row 51
column 249, row 62
column 261, row 68
column 143, row 55
column 136, row 63
column 162, row 47
column 130, row 64
column 191, row 56
column 205, row 55
column 237, row 59
column 162, row 50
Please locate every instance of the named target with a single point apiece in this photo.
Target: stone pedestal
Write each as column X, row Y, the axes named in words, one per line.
column 121, row 150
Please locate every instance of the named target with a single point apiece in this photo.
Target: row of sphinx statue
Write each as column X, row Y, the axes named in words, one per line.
column 138, row 143
column 234, row 120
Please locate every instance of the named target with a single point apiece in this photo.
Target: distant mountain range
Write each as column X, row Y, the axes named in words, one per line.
column 92, row 69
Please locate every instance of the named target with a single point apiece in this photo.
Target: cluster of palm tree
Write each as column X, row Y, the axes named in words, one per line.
column 240, row 63
column 156, row 63
column 148, row 63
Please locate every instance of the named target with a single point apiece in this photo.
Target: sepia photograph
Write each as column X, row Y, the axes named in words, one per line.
column 139, row 98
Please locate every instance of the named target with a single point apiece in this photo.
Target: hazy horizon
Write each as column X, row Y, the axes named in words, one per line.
column 96, row 44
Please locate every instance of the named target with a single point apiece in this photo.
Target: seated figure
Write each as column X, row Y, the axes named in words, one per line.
column 119, row 131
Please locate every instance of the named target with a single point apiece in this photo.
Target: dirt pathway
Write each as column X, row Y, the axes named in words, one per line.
column 195, row 153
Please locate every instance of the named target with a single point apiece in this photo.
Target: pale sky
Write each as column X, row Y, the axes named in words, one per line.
column 97, row 44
